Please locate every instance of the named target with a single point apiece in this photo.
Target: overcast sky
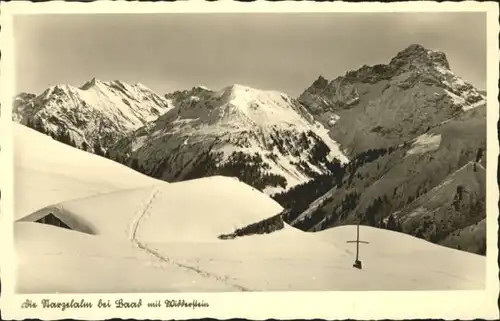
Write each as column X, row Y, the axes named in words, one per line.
column 284, row 52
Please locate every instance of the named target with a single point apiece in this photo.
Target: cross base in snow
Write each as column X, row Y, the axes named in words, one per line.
column 357, row 264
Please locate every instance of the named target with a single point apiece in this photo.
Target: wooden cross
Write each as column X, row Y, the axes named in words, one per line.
column 357, row 263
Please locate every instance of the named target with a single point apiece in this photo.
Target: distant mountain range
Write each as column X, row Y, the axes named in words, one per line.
column 398, row 146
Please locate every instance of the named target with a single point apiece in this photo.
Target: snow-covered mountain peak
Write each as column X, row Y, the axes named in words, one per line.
column 235, row 125
column 96, row 114
column 57, row 90
column 94, row 82
column 131, row 101
column 202, row 87
column 244, row 94
column 114, row 85
column 235, row 89
column 243, row 106
column 141, row 85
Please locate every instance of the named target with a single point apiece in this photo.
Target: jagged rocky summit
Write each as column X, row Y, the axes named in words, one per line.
column 386, row 104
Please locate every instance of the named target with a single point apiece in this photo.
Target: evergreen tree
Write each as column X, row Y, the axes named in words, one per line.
column 482, row 247
column 381, row 222
column 98, row 150
column 398, row 226
column 460, row 190
column 134, row 164
column 391, row 223
column 479, row 154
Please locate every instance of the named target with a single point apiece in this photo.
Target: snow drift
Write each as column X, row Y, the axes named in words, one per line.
column 202, row 209
column 48, row 172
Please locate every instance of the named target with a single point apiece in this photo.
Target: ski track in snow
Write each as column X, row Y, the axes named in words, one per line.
column 142, row 213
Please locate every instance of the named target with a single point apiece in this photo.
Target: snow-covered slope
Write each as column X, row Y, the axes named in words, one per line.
column 48, row 172
column 90, row 117
column 265, row 138
column 135, row 234
column 202, row 209
column 56, row 260
column 384, row 105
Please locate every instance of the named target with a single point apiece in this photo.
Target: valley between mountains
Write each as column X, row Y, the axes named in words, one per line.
column 191, row 183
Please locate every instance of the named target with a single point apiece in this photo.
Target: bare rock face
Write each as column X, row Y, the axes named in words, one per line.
column 21, row 102
column 382, row 105
column 416, row 56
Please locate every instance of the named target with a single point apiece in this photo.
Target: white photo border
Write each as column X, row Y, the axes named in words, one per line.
column 255, row 305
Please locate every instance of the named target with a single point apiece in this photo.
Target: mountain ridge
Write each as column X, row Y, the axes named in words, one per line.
column 90, row 117
column 265, row 133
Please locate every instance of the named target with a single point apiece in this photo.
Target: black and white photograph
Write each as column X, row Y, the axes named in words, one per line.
column 250, row 152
